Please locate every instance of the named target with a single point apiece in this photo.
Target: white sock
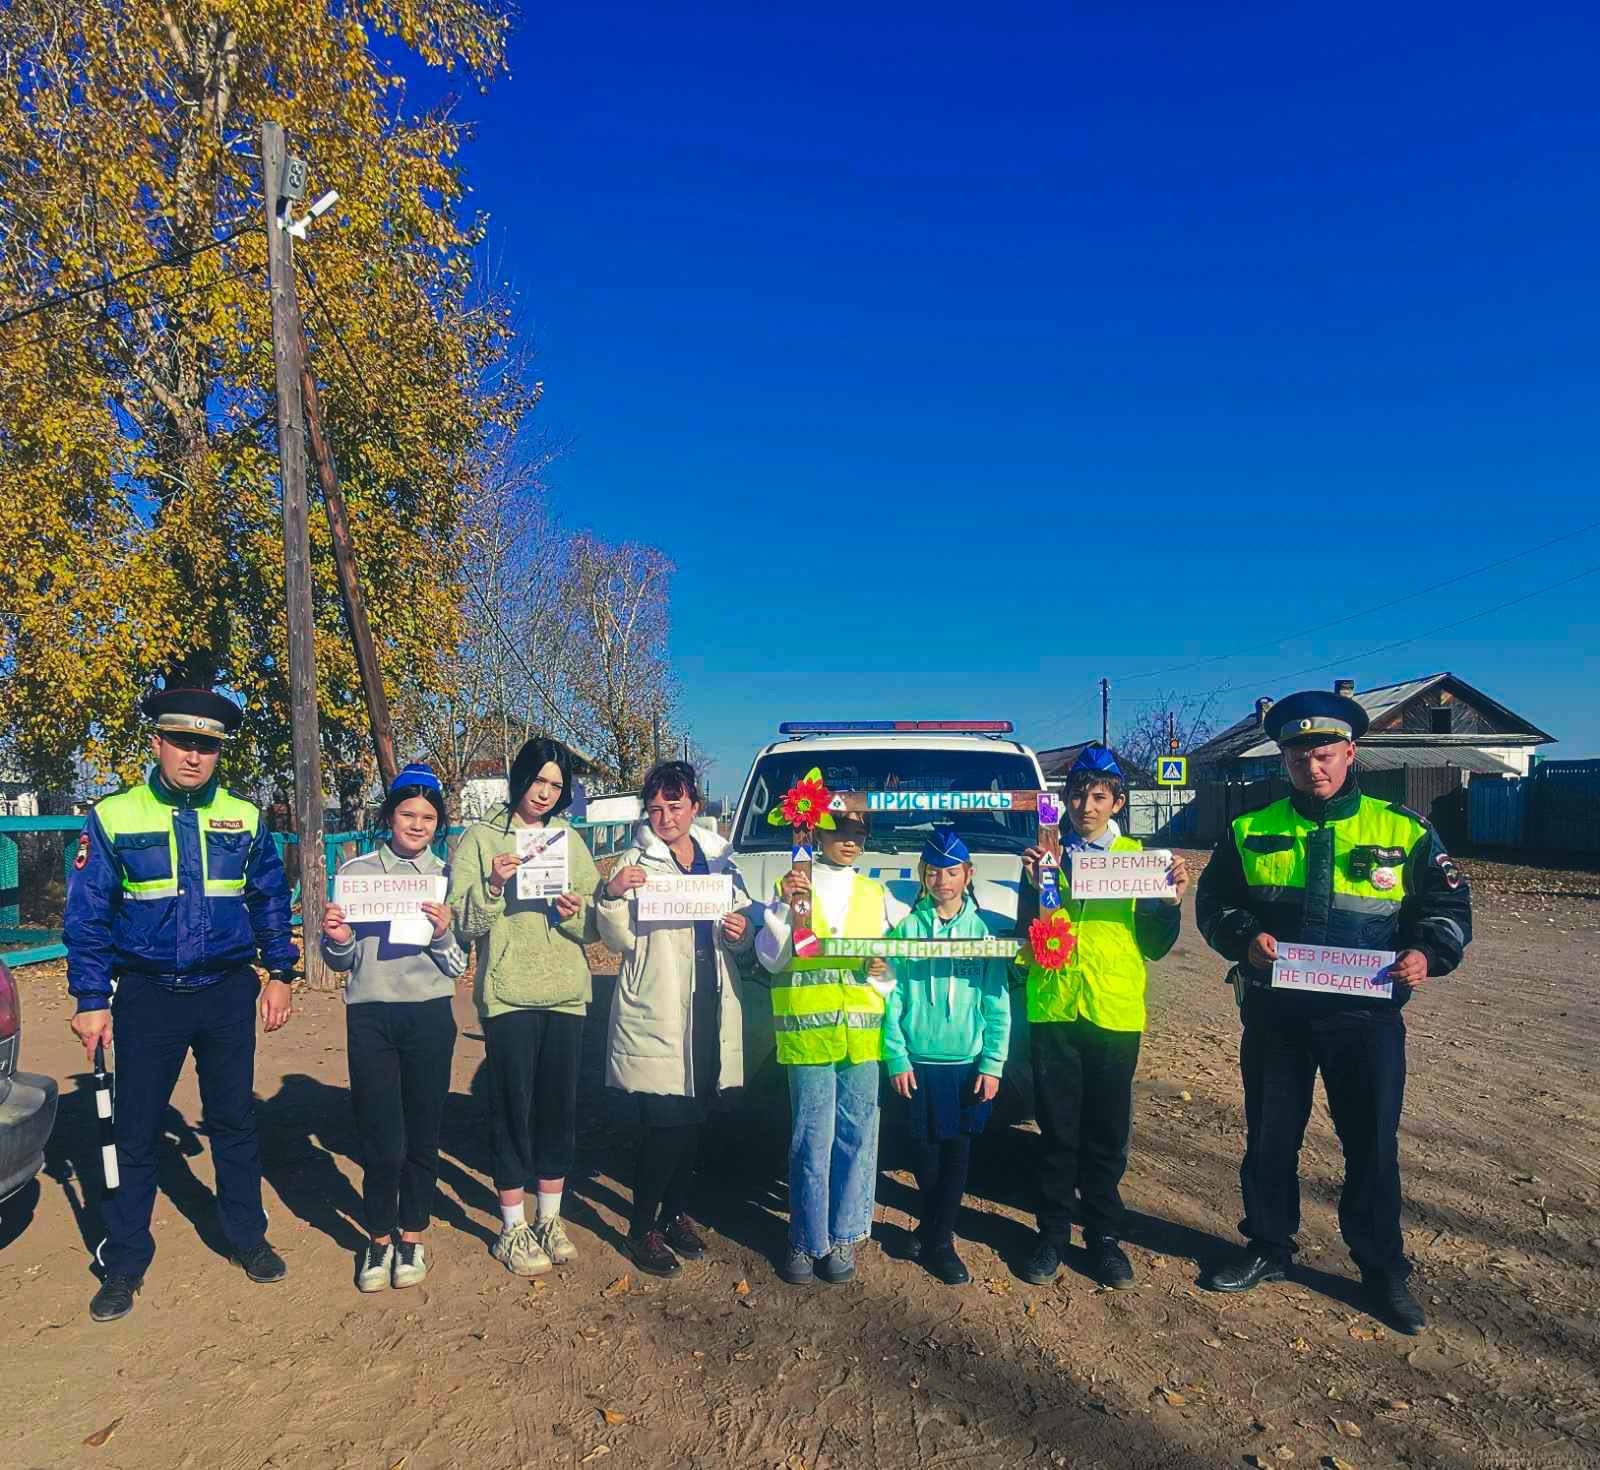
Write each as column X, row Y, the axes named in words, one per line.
column 549, row 1205
column 513, row 1215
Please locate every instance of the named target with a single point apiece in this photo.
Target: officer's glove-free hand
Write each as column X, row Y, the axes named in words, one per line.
column 92, row 1028
column 1263, row 952
column 277, row 1004
column 1410, row 967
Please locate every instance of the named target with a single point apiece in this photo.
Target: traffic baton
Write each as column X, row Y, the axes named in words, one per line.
column 102, row 1108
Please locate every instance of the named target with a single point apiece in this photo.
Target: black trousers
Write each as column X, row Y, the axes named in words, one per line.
column 156, row 1027
column 941, row 1170
column 662, row 1171
column 1361, row 1054
column 399, row 1058
column 533, row 1094
column 1083, row 1100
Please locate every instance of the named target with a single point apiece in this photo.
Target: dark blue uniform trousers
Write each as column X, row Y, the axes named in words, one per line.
column 154, row 1028
column 1361, row 1054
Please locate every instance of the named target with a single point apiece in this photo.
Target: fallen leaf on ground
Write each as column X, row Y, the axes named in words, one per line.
column 1300, row 1345
column 1283, row 1452
column 100, row 1436
column 1333, row 1462
column 613, row 1417
column 1173, row 1397
column 741, row 1288
column 1361, row 1333
column 595, row 1453
column 1212, row 1342
column 618, row 1287
column 1398, row 1406
column 1347, row 1427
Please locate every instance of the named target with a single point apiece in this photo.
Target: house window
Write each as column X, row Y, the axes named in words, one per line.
column 1439, row 719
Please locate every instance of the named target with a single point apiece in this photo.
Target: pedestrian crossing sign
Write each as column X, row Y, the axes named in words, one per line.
column 1172, row 770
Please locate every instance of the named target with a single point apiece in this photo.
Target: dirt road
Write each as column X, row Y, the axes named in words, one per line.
column 595, row 1366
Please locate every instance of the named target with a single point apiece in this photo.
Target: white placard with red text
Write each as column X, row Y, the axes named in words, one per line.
column 678, row 898
column 392, row 898
column 1100, row 874
column 1332, row 970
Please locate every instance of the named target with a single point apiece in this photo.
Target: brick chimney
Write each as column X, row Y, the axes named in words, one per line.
column 1262, row 706
column 1346, row 687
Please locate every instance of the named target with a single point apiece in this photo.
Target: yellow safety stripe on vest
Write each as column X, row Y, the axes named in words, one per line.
column 1274, row 864
column 139, row 812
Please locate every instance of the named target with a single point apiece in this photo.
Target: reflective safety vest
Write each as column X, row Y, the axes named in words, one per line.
column 1105, row 981
column 822, row 1009
column 1336, row 881
column 141, row 827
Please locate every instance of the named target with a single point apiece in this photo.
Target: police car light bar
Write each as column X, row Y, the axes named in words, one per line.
column 895, row 727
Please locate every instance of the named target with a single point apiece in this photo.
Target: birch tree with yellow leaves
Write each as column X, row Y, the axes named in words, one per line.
column 139, row 500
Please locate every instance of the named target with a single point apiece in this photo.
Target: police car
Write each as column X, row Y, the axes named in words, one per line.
column 901, row 756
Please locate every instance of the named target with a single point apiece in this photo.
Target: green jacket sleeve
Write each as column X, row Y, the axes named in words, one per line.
column 996, row 1005
column 476, row 909
column 583, row 878
column 895, row 1055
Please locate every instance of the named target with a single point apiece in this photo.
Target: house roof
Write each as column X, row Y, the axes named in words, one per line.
column 1245, row 739
column 1382, row 756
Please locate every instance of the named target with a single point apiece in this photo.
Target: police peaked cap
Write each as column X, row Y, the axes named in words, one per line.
column 193, row 712
column 1316, row 717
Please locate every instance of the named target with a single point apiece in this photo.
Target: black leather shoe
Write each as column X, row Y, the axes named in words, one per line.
column 944, row 1265
column 115, row 1297
column 652, row 1255
column 1108, row 1264
column 262, row 1264
column 1041, row 1263
column 680, row 1235
column 1391, row 1301
column 1247, row 1273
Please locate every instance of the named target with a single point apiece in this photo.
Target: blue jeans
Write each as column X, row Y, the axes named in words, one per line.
column 833, row 1154
column 156, row 1028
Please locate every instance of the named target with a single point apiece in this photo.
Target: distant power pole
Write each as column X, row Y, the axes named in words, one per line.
column 655, row 726
column 1105, row 712
column 278, row 189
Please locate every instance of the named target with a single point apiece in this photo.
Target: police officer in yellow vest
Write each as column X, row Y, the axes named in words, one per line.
column 1332, row 868
column 828, row 1016
column 176, row 890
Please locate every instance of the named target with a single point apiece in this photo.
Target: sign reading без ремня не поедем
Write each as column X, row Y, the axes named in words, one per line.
column 1333, row 970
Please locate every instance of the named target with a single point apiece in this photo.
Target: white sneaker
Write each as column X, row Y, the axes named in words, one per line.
column 410, row 1263
column 373, row 1272
column 552, row 1237
column 518, row 1250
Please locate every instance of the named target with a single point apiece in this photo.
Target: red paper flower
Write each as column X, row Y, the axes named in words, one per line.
column 1052, row 941
column 806, row 802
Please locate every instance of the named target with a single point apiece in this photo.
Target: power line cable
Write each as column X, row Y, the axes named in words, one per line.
column 167, row 262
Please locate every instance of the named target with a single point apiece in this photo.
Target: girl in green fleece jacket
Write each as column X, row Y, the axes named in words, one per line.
column 533, row 990
column 946, row 1027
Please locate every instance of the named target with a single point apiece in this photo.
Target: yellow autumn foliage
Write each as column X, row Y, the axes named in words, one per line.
column 140, row 530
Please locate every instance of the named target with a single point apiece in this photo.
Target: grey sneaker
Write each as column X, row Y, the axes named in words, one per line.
column 797, row 1268
column 410, row 1263
column 554, row 1241
column 519, row 1251
column 373, row 1272
column 838, row 1266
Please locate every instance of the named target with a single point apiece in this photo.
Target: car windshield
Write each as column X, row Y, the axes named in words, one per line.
column 895, row 769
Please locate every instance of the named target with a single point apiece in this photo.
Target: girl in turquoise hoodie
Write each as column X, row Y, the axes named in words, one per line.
column 946, row 1027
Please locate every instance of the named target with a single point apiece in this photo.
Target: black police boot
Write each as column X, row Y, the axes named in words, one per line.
column 1248, row 1272
column 1391, row 1302
column 115, row 1297
column 942, row 1263
column 262, row 1264
column 1040, row 1265
column 1107, row 1263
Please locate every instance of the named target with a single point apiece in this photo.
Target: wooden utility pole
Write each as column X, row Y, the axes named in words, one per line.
column 286, row 357
column 1105, row 712
column 344, row 558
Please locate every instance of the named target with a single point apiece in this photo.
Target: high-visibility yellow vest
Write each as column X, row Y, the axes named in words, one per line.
column 138, row 817
column 822, row 1009
column 1105, row 980
column 1366, row 878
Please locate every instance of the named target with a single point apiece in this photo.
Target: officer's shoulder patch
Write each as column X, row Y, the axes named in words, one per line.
column 80, row 859
column 1447, row 869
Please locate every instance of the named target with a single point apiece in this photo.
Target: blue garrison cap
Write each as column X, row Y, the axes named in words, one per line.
column 1098, row 759
column 1316, row 717
column 945, row 849
column 418, row 773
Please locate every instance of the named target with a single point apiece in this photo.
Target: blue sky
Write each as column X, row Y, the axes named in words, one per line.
column 961, row 355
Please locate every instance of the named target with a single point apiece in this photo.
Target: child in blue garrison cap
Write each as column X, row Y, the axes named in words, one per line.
column 946, row 1027
column 1084, row 1026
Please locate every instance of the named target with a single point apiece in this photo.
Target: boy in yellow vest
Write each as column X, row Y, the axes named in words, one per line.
column 828, row 1016
column 1084, row 1024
